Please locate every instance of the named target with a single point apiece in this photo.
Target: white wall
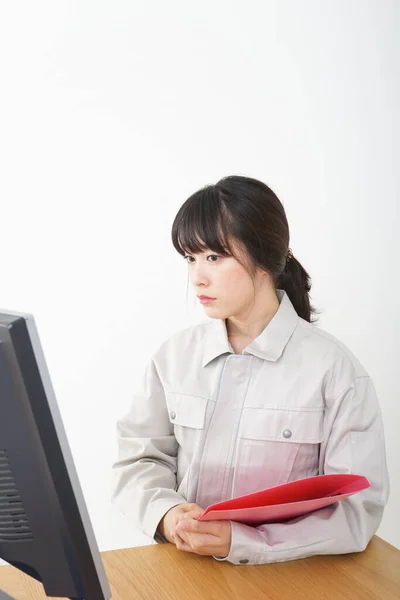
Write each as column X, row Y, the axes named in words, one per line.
column 112, row 114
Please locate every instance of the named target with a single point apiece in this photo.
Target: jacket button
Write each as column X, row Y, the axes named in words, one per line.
column 286, row 433
column 172, row 414
column 244, row 561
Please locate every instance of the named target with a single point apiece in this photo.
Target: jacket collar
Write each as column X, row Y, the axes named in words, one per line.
column 269, row 345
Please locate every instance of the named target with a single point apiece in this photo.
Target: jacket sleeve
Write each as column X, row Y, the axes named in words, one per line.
column 144, row 476
column 354, row 443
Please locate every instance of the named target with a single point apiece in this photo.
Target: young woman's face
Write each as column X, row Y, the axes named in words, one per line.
column 224, row 279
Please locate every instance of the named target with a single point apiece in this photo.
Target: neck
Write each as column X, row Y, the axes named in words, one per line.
column 262, row 313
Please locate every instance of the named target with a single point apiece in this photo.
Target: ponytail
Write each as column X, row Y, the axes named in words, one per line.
column 296, row 282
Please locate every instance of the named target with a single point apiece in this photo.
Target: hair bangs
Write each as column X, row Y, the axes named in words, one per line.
column 202, row 224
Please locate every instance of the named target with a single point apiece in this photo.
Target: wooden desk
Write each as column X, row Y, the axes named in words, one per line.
column 163, row 572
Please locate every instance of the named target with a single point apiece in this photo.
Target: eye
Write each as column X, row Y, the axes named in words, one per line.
column 209, row 256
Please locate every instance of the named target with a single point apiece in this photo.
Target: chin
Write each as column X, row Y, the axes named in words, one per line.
column 215, row 313
column 210, row 309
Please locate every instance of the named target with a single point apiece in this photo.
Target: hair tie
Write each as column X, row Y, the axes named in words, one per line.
column 289, row 255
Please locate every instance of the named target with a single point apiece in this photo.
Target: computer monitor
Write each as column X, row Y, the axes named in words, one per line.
column 45, row 529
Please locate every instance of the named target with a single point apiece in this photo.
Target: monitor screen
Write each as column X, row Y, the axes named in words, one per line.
column 45, row 528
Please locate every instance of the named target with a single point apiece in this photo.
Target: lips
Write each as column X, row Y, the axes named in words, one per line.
column 206, row 298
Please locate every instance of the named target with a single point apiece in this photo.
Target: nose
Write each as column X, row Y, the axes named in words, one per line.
column 199, row 274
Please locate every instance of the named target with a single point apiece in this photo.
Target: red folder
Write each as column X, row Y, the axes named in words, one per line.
column 283, row 502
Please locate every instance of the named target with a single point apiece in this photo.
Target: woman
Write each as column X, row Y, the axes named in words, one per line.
column 253, row 398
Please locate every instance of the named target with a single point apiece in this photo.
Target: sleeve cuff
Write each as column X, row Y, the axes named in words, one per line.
column 244, row 541
column 239, row 553
column 159, row 538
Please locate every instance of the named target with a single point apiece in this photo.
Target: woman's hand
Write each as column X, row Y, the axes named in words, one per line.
column 208, row 538
column 167, row 525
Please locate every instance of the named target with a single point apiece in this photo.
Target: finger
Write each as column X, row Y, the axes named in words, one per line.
column 172, row 534
column 206, row 527
column 182, row 542
column 184, row 536
column 181, row 545
column 197, row 544
column 204, row 544
column 179, row 539
column 200, row 542
column 180, row 532
column 193, row 514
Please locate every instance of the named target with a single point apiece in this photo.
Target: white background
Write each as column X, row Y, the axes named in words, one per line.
column 113, row 113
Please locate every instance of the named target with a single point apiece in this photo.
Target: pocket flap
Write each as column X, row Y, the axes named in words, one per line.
column 186, row 410
column 280, row 425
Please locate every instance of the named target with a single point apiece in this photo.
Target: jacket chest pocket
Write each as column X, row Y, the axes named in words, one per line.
column 276, row 446
column 187, row 413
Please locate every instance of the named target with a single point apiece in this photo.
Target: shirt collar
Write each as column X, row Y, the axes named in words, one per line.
column 269, row 345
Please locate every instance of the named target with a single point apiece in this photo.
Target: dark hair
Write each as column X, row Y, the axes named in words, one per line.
column 246, row 210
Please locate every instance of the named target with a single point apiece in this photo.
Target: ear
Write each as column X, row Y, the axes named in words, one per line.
column 263, row 273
